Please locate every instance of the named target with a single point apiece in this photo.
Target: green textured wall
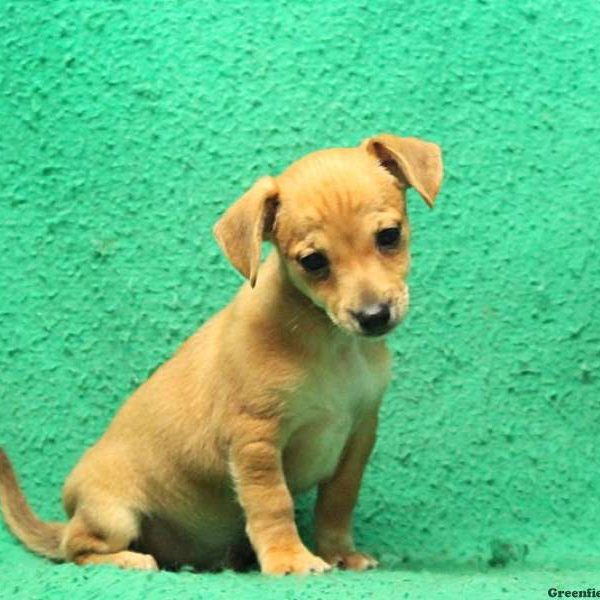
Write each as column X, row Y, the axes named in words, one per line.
column 127, row 127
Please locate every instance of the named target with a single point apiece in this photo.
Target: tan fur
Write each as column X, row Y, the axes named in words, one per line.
column 274, row 395
column 43, row 538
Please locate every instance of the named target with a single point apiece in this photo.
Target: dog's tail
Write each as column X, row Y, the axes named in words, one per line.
column 43, row 538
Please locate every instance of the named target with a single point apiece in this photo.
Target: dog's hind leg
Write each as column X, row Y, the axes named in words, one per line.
column 101, row 532
column 124, row 559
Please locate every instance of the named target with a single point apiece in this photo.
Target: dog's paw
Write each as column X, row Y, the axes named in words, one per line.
column 135, row 560
column 353, row 561
column 298, row 562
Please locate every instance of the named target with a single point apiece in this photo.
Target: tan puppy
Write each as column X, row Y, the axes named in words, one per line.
column 276, row 394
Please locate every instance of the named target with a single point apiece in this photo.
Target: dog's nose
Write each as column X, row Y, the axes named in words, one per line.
column 374, row 319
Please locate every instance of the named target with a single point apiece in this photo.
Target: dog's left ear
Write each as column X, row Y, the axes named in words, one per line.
column 414, row 162
column 243, row 227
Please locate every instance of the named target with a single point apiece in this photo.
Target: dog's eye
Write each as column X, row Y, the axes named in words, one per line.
column 315, row 262
column 388, row 239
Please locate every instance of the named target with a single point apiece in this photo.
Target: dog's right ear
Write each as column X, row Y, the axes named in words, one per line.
column 243, row 227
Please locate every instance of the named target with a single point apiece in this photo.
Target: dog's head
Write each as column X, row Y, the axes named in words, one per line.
column 338, row 220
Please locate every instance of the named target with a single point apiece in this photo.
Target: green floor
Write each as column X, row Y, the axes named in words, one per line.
column 29, row 578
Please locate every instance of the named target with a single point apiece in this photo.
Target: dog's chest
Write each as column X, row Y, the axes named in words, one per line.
column 325, row 410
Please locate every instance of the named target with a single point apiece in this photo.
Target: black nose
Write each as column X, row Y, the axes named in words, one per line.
column 374, row 319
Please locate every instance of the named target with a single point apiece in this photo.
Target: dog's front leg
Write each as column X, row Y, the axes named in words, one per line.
column 269, row 509
column 337, row 498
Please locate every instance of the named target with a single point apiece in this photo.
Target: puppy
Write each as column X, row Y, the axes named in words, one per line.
column 277, row 393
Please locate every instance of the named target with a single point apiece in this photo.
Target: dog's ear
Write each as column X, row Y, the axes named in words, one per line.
column 415, row 163
column 247, row 222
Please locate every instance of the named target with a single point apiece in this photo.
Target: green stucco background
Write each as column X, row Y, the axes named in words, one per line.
column 127, row 127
